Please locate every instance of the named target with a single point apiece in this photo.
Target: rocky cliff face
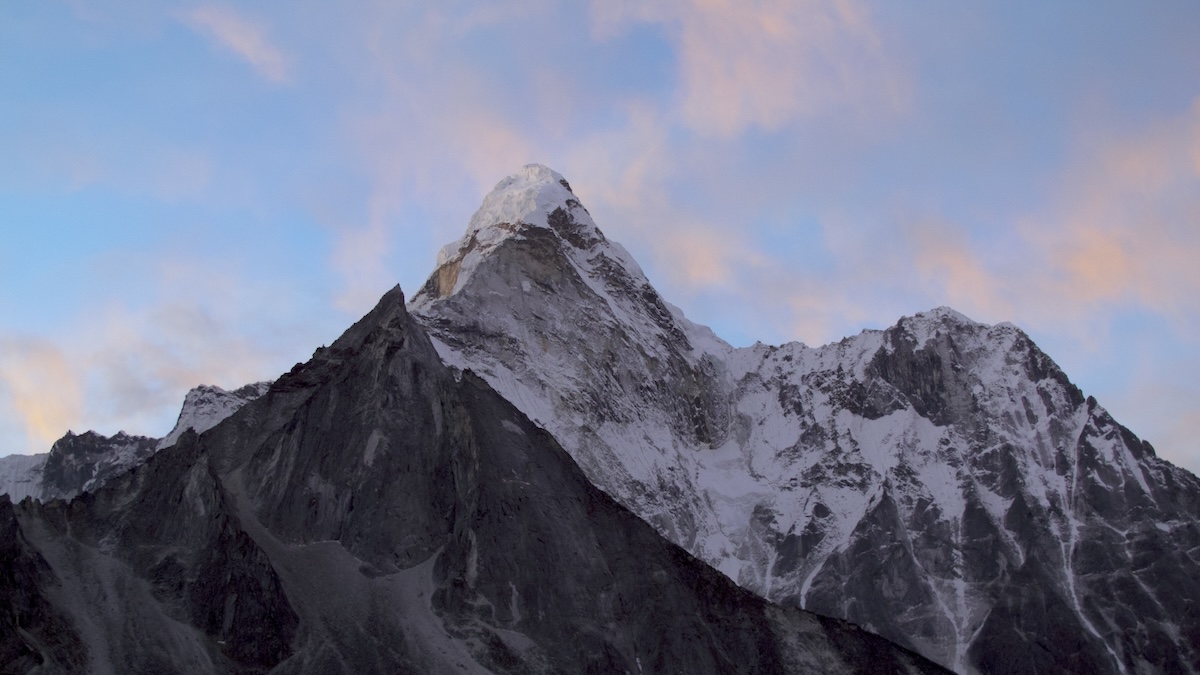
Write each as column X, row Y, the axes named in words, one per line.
column 374, row 512
column 76, row 463
column 941, row 482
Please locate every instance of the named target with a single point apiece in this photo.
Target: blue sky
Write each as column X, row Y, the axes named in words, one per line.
column 204, row 193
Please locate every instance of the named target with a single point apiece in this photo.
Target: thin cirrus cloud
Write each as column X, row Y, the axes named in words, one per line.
column 764, row 65
column 1132, row 215
column 461, row 144
column 243, row 37
column 1117, row 236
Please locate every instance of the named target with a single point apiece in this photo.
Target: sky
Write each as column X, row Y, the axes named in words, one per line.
column 205, row 193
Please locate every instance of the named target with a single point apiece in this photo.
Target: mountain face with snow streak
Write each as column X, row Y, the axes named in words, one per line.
column 76, row 463
column 205, row 406
column 376, row 512
column 941, row 482
column 84, row 462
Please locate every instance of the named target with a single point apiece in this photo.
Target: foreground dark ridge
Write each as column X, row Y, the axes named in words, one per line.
column 372, row 513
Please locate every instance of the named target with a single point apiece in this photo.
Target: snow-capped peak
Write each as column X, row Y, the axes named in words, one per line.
column 207, row 405
column 945, row 313
column 534, row 207
column 527, row 197
column 925, row 325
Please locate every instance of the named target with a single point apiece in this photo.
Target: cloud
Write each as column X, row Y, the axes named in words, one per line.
column 359, row 258
column 623, row 176
column 1123, row 233
column 43, row 388
column 127, row 362
column 944, row 258
column 1119, row 235
column 242, row 36
column 766, row 63
column 416, row 159
column 431, row 132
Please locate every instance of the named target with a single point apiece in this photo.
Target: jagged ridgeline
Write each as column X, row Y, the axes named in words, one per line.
column 375, row 512
column 941, row 482
column 83, row 462
column 454, row 490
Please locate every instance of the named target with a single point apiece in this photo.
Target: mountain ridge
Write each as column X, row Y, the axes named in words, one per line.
column 958, row 448
column 78, row 463
column 940, row 482
column 374, row 511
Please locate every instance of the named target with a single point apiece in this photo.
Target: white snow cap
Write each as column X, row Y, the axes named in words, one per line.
column 527, row 196
column 524, row 197
column 944, row 313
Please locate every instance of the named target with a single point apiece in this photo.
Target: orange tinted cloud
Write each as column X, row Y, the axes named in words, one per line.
column 128, row 366
column 1127, row 229
column 944, row 257
column 44, row 389
column 409, row 154
column 765, row 63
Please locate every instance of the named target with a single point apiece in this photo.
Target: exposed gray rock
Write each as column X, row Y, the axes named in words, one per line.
column 77, row 463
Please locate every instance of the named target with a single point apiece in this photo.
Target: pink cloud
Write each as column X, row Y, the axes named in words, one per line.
column 1124, row 233
column 944, row 257
column 45, row 390
column 245, row 38
column 127, row 366
column 766, row 63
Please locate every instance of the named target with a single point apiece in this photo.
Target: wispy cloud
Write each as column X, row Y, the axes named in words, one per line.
column 244, row 37
column 1130, row 209
column 766, row 63
column 44, row 389
column 127, row 365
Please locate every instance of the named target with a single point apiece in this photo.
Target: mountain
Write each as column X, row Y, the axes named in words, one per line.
column 941, row 483
column 205, row 406
column 374, row 511
column 84, row 462
column 75, row 463
column 21, row 475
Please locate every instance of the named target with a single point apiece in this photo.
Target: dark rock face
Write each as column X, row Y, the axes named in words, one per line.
column 33, row 633
column 155, row 574
column 374, row 513
column 942, row 482
column 77, row 463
